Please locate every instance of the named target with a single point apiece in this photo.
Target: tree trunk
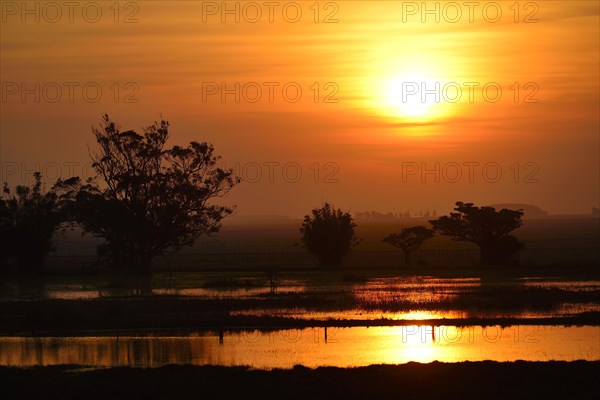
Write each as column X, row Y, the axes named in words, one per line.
column 144, row 266
column 330, row 260
column 485, row 256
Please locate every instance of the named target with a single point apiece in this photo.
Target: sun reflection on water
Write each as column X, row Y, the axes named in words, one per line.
column 312, row 347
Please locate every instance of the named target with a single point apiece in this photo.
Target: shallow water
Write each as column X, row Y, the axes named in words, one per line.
column 565, row 309
column 420, row 288
column 368, row 300
column 342, row 347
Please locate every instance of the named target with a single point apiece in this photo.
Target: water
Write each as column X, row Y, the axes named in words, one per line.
column 418, row 289
column 416, row 314
column 420, row 297
column 342, row 347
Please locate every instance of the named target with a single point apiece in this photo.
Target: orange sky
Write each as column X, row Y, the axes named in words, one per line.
column 362, row 142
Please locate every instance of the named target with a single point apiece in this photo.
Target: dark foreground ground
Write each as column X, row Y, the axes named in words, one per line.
column 481, row 380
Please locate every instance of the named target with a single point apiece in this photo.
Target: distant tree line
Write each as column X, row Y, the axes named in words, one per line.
column 390, row 216
column 148, row 200
column 330, row 230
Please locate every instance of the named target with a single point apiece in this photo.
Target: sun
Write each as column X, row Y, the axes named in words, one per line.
column 415, row 88
column 413, row 97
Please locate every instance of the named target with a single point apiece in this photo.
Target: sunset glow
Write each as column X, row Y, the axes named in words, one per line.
column 346, row 199
column 378, row 87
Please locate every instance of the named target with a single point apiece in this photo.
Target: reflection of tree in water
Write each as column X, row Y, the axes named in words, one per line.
column 153, row 352
column 104, row 351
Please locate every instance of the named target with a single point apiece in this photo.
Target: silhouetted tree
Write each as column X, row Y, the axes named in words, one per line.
column 409, row 240
column 487, row 228
column 28, row 220
column 328, row 234
column 155, row 199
